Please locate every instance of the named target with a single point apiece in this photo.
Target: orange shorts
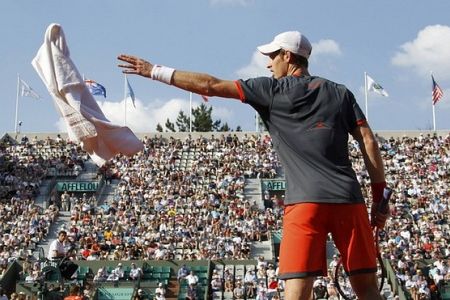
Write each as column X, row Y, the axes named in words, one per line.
column 305, row 231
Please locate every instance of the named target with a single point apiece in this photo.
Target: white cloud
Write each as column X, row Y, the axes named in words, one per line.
column 231, row 2
column 144, row 118
column 222, row 113
column 429, row 51
column 256, row 67
column 325, row 47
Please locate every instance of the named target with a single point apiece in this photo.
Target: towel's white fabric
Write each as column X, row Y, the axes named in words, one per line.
column 85, row 121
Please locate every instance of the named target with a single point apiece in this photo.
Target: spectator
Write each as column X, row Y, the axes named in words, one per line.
column 320, row 290
column 261, row 289
column 120, row 272
column 183, row 271
column 238, row 292
column 74, row 293
column 135, row 272
column 250, row 283
column 88, row 291
column 216, row 284
column 140, row 295
column 228, row 280
column 58, row 247
column 101, row 275
column 160, row 289
column 113, row 276
column 192, row 279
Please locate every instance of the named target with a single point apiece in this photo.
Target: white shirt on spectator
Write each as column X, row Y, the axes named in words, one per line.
column 135, row 272
column 57, row 246
column 192, row 279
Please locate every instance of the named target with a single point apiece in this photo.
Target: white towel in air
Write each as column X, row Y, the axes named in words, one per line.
column 85, row 121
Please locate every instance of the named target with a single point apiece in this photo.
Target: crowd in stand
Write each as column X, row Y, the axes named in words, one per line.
column 180, row 200
column 184, row 199
column 23, row 166
column 416, row 240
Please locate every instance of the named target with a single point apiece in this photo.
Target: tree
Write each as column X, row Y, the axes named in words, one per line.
column 170, row 126
column 238, row 128
column 202, row 120
column 224, row 128
column 182, row 122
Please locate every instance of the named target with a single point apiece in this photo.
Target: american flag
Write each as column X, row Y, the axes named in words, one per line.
column 437, row 92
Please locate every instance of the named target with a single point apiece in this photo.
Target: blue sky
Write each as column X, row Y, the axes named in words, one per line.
column 397, row 42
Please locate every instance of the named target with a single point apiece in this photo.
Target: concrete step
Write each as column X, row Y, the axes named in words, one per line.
column 108, row 193
column 263, row 248
column 43, row 193
column 252, row 191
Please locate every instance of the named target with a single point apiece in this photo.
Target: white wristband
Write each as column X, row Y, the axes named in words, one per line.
column 162, row 73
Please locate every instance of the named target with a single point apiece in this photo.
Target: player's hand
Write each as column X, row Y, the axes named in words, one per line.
column 379, row 214
column 135, row 65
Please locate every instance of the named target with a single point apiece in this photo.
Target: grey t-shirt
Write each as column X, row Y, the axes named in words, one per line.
column 309, row 120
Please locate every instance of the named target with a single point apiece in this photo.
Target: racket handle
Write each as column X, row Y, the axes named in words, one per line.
column 384, row 205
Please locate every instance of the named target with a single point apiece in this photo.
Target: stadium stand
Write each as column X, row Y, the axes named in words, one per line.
column 185, row 200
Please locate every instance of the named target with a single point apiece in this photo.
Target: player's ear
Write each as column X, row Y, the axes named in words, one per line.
column 288, row 56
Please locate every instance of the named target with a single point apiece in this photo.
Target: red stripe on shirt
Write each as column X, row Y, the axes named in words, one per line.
column 240, row 91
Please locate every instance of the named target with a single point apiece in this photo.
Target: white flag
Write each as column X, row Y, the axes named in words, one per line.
column 373, row 86
column 27, row 91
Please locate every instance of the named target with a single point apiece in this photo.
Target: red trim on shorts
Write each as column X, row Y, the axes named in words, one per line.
column 240, row 91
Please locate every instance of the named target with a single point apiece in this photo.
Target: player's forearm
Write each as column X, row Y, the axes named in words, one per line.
column 371, row 153
column 374, row 163
column 195, row 82
column 204, row 84
column 372, row 158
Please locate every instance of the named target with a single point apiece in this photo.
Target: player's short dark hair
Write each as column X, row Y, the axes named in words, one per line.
column 298, row 59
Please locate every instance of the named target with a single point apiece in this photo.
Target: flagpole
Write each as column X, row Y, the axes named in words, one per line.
column 17, row 104
column 432, row 105
column 434, row 119
column 190, row 112
column 365, row 95
column 125, row 97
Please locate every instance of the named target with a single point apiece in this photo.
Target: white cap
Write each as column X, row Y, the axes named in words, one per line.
column 292, row 41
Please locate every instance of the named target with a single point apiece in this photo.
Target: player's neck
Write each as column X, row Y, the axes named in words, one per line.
column 298, row 71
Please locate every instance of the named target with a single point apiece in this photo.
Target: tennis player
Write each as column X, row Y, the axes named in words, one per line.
column 309, row 119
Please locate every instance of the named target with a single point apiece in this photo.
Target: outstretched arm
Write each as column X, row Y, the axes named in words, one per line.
column 198, row 83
